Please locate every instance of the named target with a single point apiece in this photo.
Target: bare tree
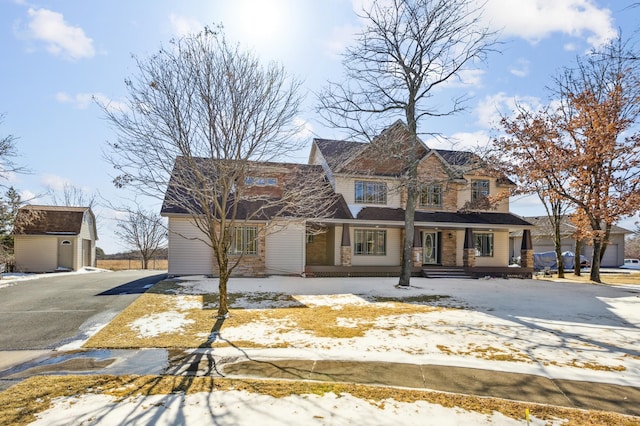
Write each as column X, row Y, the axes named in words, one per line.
column 144, row 231
column 407, row 50
column 72, row 196
column 8, row 153
column 204, row 120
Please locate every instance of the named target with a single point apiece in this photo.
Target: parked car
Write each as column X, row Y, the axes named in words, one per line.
column 631, row 264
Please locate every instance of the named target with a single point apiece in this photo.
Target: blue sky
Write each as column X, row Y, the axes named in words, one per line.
column 58, row 56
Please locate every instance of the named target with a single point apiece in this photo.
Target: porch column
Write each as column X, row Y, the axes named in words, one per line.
column 416, row 254
column 345, row 247
column 469, row 251
column 526, row 250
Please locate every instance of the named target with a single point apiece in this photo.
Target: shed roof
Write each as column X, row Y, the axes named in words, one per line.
column 50, row 220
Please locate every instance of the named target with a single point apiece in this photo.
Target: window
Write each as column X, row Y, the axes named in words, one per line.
column 244, row 239
column 479, row 189
column 431, row 196
column 484, row 245
column 370, row 242
column 309, row 238
column 371, row 192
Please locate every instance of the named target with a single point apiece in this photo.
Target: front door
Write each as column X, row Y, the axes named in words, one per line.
column 430, row 248
column 65, row 254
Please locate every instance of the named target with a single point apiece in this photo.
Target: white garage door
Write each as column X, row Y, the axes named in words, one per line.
column 610, row 258
column 285, row 249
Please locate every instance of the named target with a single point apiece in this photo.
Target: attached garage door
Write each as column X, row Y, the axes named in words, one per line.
column 610, row 258
column 285, row 247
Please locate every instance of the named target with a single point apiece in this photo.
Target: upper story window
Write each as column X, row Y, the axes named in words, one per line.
column 484, row 245
column 479, row 189
column 244, row 240
column 367, row 192
column 260, row 181
column 431, row 196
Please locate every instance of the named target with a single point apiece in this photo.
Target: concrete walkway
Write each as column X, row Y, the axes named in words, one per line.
column 521, row 387
column 470, row 381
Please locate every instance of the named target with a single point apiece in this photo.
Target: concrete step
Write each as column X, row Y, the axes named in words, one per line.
column 444, row 272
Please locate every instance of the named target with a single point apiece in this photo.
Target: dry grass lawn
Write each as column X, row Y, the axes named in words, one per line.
column 200, row 323
column 126, row 264
column 20, row 404
column 632, row 278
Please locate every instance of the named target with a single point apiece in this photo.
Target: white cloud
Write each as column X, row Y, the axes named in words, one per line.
column 521, row 68
column 84, row 100
column 534, row 20
column 55, row 182
column 29, row 197
column 182, row 25
column 490, row 110
column 60, row 38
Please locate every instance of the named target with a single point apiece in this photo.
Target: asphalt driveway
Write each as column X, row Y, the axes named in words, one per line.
column 54, row 310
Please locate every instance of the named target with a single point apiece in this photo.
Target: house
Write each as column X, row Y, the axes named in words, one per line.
column 454, row 225
column 54, row 238
column 542, row 240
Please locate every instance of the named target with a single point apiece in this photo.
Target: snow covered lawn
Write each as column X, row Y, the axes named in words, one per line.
column 557, row 330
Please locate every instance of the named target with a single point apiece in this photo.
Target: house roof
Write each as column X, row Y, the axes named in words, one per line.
column 544, row 228
column 50, row 220
column 364, row 158
column 475, row 218
column 261, row 206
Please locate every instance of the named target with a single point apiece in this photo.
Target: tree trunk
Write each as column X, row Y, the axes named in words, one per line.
column 578, row 252
column 223, row 308
column 595, row 261
column 558, row 246
column 223, row 273
column 145, row 263
column 409, row 230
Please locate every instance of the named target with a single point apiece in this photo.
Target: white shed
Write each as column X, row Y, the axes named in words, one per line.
column 54, row 238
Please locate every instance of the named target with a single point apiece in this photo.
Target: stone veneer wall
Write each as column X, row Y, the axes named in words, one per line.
column 449, row 247
column 316, row 251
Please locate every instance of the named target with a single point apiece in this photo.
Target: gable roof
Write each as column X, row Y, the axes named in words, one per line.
column 51, row 220
column 257, row 206
column 365, row 158
column 543, row 227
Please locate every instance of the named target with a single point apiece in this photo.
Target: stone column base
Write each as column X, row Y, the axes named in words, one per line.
column 345, row 256
column 416, row 257
column 469, row 258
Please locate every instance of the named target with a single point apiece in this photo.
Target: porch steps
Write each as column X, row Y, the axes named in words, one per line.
column 445, row 272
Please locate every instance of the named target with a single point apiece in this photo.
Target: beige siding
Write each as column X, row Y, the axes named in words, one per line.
column 336, row 245
column 346, row 187
column 500, row 249
column 285, row 248
column 188, row 256
column 86, row 233
column 36, row 254
column 464, row 195
column 394, row 248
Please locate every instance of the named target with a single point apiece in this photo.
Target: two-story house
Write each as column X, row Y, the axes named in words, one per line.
column 455, row 227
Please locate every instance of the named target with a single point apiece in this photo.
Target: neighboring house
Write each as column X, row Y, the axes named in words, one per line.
column 364, row 235
column 54, row 238
column 542, row 240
